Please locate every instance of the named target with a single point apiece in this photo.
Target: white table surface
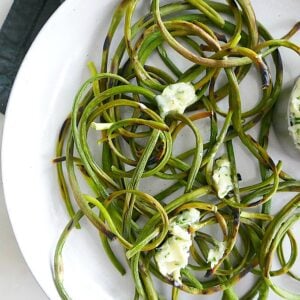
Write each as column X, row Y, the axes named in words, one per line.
column 16, row 280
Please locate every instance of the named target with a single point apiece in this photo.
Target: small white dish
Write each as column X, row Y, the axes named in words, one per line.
column 283, row 121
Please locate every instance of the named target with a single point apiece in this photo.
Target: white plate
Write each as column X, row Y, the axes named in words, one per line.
column 42, row 95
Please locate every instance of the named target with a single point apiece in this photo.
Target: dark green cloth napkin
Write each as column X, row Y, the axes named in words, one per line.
column 24, row 21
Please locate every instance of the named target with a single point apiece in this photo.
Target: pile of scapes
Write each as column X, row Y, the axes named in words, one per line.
column 165, row 236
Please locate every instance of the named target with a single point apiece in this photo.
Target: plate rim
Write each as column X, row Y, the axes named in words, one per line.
column 5, row 137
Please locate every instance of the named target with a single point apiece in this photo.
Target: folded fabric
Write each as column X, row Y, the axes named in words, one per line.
column 24, row 21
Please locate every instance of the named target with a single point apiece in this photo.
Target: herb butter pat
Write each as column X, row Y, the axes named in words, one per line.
column 222, row 177
column 294, row 114
column 174, row 253
column 175, row 98
column 215, row 254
